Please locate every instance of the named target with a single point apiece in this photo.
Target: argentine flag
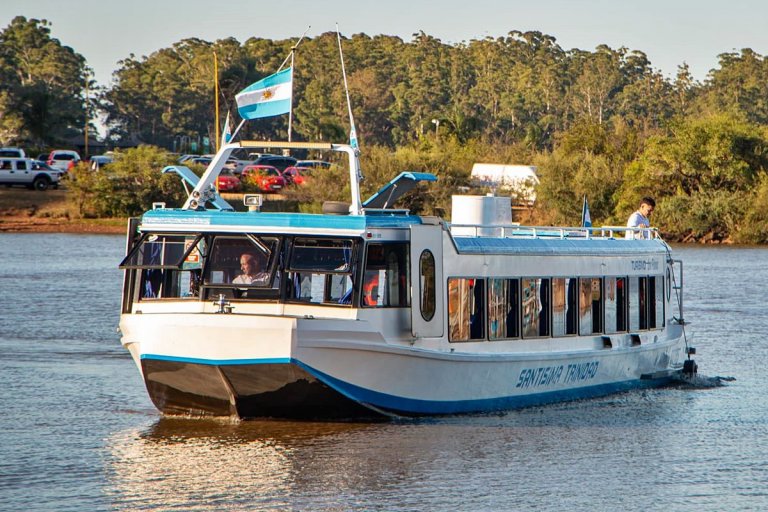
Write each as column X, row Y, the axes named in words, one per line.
column 268, row 97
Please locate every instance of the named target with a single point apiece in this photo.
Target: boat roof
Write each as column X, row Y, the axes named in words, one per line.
column 183, row 220
column 557, row 246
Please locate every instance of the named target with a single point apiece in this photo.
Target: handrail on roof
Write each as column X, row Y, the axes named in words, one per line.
column 577, row 233
column 287, row 145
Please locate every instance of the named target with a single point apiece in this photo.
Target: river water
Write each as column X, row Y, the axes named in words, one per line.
column 79, row 433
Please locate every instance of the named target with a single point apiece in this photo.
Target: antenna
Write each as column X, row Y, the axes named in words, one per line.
column 291, row 57
column 352, row 131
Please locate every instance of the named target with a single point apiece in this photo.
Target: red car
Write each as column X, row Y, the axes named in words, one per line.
column 266, row 177
column 228, row 183
column 297, row 175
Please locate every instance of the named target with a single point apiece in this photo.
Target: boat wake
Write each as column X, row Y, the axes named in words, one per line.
column 699, row 381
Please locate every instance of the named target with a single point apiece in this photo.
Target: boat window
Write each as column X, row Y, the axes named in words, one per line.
column 157, row 251
column 169, row 264
column 243, row 261
column 638, row 303
column 615, row 293
column 428, row 301
column 655, row 302
column 319, row 288
column 385, row 280
column 466, row 309
column 169, row 284
column 590, row 310
column 660, row 315
column 503, row 309
column 535, row 307
column 320, row 271
column 565, row 300
column 321, row 255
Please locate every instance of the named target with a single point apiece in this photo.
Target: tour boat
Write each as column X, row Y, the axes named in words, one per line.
column 371, row 311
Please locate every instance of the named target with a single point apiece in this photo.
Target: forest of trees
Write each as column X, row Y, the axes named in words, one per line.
column 602, row 124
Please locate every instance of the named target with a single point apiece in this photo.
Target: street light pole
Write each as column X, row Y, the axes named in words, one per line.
column 436, row 122
column 216, row 96
column 87, row 78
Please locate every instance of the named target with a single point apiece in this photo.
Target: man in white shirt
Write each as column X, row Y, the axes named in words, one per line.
column 640, row 219
column 252, row 271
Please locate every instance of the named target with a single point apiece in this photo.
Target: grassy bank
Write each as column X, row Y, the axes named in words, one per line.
column 23, row 210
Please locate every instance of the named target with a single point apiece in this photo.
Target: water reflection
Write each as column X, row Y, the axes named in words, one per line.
column 473, row 462
column 203, row 465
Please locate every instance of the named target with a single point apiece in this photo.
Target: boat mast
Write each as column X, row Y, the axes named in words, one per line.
column 357, row 175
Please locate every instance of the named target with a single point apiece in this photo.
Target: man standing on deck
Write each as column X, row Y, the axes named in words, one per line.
column 640, row 219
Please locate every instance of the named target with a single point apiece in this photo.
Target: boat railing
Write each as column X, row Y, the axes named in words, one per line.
column 549, row 232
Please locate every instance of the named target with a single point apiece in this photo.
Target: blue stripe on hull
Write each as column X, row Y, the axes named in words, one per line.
column 218, row 362
column 410, row 406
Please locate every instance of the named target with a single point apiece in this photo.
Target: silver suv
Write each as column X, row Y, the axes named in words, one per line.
column 12, row 152
column 23, row 172
column 61, row 159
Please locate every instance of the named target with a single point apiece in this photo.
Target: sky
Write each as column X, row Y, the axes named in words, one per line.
column 669, row 32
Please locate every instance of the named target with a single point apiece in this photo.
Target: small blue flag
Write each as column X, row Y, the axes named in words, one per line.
column 226, row 134
column 586, row 220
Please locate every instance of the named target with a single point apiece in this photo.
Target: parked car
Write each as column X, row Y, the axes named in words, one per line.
column 12, row 153
column 99, row 161
column 206, row 161
column 201, row 160
column 267, row 178
column 228, row 182
column 296, row 175
column 21, row 172
column 281, row 162
column 313, row 164
column 41, row 165
column 63, row 159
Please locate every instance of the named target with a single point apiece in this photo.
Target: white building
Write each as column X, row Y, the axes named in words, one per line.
column 519, row 180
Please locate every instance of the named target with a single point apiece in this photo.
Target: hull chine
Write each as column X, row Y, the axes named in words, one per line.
column 247, row 390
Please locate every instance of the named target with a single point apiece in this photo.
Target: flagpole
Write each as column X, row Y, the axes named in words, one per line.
column 242, row 122
column 293, row 49
column 216, row 94
column 290, row 112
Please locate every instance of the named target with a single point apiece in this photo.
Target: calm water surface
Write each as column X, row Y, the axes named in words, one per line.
column 79, row 432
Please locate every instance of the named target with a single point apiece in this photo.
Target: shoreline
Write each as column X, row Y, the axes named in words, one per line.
column 32, row 211
column 22, row 224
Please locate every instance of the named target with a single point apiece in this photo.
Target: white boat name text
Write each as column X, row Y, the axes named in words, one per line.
column 549, row 375
column 645, row 265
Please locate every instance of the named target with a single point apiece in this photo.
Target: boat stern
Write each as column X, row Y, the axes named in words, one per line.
column 248, row 369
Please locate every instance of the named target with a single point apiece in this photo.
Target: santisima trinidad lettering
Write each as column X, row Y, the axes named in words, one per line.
column 550, row 375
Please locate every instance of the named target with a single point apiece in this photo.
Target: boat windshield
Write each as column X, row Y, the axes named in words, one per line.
column 158, row 251
column 243, row 260
column 321, row 255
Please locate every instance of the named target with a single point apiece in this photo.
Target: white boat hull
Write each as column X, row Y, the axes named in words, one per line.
column 317, row 368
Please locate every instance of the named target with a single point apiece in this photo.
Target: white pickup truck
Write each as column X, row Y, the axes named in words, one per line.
column 24, row 172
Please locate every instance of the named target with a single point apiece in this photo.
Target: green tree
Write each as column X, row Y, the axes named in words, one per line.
column 42, row 83
column 701, row 173
column 126, row 187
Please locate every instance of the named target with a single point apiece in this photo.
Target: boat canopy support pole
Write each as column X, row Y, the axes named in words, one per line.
column 355, row 177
